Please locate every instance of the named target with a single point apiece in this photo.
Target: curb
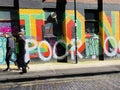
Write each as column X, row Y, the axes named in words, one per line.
column 61, row 75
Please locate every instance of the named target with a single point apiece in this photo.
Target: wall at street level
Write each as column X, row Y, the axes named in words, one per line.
column 98, row 31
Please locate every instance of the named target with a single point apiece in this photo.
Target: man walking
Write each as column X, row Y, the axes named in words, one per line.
column 22, row 51
column 10, row 45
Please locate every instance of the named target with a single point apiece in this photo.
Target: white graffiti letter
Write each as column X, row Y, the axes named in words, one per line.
column 113, row 51
column 29, row 48
column 73, row 49
column 33, row 46
column 80, row 44
column 54, row 50
column 39, row 52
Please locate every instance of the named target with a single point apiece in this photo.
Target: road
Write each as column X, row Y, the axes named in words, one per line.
column 98, row 82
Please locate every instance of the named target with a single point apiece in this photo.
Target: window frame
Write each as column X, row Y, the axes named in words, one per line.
column 92, row 20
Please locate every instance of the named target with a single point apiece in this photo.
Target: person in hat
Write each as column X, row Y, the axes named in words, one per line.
column 22, row 51
column 10, row 45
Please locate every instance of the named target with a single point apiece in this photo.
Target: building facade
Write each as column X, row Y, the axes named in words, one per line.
column 51, row 32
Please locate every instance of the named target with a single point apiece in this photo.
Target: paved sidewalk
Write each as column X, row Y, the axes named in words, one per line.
column 57, row 69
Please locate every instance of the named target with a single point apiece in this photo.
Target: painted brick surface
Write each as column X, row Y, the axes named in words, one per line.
column 9, row 3
column 30, row 3
column 35, row 16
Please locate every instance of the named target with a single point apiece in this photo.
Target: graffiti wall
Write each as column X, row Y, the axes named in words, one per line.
column 2, row 50
column 111, row 33
column 41, row 43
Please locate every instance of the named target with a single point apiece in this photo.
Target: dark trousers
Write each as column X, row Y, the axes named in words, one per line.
column 8, row 56
column 21, row 60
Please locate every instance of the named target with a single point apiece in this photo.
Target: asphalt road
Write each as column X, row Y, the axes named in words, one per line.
column 98, row 82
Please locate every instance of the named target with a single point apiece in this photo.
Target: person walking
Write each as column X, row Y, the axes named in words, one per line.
column 9, row 49
column 22, row 51
column 17, row 53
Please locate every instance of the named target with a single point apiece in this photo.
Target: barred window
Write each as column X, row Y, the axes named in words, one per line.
column 91, row 21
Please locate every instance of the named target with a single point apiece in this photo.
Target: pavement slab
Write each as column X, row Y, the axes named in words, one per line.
column 57, row 69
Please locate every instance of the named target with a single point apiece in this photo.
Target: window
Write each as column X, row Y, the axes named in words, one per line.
column 4, row 15
column 53, row 26
column 5, row 23
column 91, row 21
column 48, row 28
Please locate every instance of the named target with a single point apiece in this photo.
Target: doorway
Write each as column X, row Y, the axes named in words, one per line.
column 92, row 31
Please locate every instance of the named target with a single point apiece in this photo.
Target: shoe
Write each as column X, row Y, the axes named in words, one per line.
column 23, row 71
column 7, row 69
column 19, row 68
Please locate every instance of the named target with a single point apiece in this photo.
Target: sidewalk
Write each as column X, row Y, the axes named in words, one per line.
column 57, row 69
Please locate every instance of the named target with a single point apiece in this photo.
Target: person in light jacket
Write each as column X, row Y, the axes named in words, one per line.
column 10, row 45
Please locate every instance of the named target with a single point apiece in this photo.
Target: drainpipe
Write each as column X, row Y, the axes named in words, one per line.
column 75, row 18
column 101, row 43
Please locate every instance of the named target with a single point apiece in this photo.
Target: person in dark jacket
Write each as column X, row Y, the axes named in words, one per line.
column 22, row 51
column 10, row 45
